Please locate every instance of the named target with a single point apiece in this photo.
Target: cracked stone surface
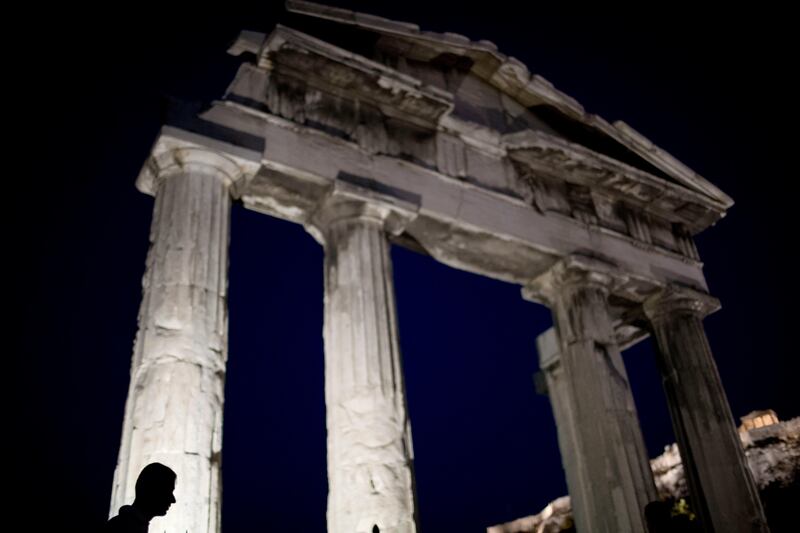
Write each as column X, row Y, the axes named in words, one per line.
column 173, row 413
column 601, row 444
column 369, row 441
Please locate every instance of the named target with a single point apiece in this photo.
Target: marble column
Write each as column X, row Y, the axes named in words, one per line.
column 173, row 413
column 608, row 472
column 370, row 470
column 721, row 486
column 549, row 348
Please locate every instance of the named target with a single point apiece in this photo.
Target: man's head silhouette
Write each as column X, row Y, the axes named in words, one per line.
column 154, row 490
column 154, row 496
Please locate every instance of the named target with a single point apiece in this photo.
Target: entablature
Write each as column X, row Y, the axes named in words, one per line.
column 504, row 202
column 287, row 53
column 407, row 42
column 460, row 222
column 319, row 85
column 539, row 157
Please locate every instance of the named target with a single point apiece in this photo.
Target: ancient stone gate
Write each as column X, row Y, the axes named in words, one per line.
column 385, row 133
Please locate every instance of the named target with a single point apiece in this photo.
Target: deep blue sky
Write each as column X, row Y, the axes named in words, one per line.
column 713, row 89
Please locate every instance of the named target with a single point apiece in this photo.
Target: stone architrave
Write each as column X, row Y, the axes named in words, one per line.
column 720, row 484
column 173, row 413
column 370, row 470
column 608, row 473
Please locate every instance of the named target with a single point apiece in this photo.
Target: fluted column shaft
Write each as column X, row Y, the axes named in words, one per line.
column 173, row 413
column 723, row 492
column 610, row 482
column 370, row 473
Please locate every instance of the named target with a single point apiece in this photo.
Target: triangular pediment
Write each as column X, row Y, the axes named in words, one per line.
column 513, row 78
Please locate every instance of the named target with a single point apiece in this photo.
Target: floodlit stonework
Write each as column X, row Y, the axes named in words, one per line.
column 773, row 456
column 173, row 413
column 448, row 147
column 370, row 479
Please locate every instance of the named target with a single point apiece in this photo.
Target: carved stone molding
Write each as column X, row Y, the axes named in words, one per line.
column 290, row 53
column 560, row 159
column 571, row 272
column 172, row 156
column 676, row 299
column 346, row 202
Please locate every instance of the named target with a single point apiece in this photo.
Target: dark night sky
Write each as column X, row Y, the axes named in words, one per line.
column 713, row 89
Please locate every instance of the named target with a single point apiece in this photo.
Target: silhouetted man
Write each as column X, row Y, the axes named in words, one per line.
column 153, row 498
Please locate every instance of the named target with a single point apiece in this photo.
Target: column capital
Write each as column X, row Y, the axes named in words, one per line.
column 172, row 156
column 574, row 271
column 346, row 201
column 678, row 299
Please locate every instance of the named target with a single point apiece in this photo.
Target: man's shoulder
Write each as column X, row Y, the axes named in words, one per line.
column 113, row 525
column 125, row 522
